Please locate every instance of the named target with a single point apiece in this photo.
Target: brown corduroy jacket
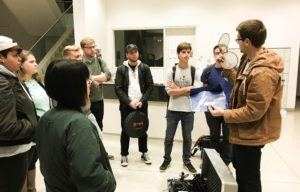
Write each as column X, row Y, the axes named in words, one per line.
column 254, row 110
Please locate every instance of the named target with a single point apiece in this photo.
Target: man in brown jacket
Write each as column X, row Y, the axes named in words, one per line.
column 254, row 113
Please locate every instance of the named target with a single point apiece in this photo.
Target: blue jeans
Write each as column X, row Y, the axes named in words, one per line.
column 187, row 124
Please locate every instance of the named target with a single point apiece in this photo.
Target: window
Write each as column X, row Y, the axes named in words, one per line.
column 149, row 43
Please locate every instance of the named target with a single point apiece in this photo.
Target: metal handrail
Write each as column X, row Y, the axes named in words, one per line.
column 57, row 20
column 64, row 1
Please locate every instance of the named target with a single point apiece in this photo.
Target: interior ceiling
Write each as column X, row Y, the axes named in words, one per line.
column 35, row 16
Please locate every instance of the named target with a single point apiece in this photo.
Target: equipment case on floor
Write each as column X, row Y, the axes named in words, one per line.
column 215, row 177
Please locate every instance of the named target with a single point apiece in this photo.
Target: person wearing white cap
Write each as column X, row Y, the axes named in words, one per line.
column 17, row 119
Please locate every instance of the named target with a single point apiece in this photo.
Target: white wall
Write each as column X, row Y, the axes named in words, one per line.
column 90, row 21
column 298, row 81
column 210, row 18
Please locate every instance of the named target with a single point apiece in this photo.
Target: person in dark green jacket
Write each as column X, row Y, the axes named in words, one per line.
column 72, row 156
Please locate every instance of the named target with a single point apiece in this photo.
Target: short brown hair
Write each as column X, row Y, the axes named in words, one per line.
column 220, row 46
column 69, row 48
column 254, row 30
column 85, row 41
column 184, row 45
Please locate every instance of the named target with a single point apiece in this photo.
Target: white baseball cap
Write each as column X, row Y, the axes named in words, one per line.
column 6, row 43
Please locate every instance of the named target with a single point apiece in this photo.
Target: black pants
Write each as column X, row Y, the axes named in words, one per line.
column 246, row 161
column 32, row 158
column 13, row 172
column 216, row 124
column 125, row 110
column 97, row 108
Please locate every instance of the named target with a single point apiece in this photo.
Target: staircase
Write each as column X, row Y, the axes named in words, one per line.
column 50, row 45
column 55, row 52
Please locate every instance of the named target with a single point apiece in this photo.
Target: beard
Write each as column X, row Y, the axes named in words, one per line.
column 133, row 60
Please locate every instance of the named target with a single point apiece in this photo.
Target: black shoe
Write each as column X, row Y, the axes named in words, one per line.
column 164, row 166
column 190, row 167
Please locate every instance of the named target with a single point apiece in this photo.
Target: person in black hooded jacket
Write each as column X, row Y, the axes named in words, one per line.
column 17, row 119
column 133, row 86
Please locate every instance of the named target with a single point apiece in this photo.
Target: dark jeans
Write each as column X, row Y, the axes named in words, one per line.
column 246, row 161
column 125, row 110
column 13, row 172
column 97, row 108
column 187, row 124
column 223, row 147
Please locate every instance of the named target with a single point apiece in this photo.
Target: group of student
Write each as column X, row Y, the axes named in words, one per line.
column 60, row 121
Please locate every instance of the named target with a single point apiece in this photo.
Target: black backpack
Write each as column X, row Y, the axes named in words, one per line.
column 208, row 70
column 204, row 141
column 142, row 69
column 193, row 71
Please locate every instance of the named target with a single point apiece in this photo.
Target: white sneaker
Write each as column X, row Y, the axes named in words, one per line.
column 124, row 161
column 146, row 159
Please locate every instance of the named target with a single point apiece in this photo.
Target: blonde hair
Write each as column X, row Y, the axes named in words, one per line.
column 85, row 41
column 69, row 48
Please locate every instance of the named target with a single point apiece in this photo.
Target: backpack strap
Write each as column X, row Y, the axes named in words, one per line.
column 208, row 70
column 100, row 62
column 142, row 68
column 174, row 71
column 193, row 71
column 123, row 70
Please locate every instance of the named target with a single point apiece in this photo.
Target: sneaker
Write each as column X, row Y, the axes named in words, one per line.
column 124, row 161
column 164, row 166
column 110, row 157
column 146, row 159
column 189, row 167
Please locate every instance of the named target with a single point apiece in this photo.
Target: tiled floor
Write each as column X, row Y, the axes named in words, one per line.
column 280, row 162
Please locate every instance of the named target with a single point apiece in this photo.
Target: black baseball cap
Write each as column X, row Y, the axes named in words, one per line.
column 129, row 47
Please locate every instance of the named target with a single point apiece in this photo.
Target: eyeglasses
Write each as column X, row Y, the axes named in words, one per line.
column 91, row 47
column 239, row 39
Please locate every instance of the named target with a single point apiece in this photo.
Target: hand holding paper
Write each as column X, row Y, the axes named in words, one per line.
column 215, row 111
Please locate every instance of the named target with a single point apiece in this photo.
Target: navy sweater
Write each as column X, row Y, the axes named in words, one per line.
column 216, row 83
